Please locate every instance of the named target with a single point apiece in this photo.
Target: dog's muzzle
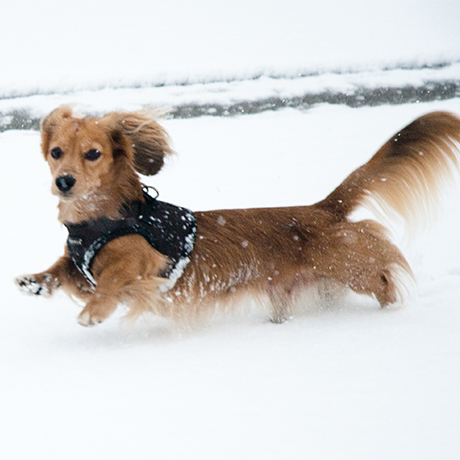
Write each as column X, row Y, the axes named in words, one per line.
column 65, row 183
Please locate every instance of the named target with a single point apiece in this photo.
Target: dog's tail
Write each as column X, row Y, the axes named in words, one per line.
column 406, row 176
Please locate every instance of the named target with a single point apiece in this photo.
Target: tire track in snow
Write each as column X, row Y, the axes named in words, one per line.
column 363, row 97
column 256, row 95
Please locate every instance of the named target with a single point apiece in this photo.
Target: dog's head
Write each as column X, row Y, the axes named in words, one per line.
column 90, row 156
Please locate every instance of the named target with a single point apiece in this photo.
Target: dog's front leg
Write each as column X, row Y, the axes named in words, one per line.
column 104, row 300
column 62, row 274
column 126, row 269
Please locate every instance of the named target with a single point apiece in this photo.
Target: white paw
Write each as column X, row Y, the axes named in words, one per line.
column 30, row 285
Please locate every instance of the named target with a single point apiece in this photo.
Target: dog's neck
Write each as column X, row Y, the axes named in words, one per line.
column 100, row 203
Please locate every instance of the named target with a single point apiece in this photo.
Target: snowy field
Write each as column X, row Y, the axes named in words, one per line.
column 349, row 382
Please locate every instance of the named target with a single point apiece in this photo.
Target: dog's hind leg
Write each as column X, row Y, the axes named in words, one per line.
column 283, row 296
column 360, row 256
column 280, row 306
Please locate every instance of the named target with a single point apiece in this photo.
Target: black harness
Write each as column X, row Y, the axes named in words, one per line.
column 169, row 229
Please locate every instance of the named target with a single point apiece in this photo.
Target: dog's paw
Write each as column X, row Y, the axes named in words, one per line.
column 37, row 284
column 88, row 320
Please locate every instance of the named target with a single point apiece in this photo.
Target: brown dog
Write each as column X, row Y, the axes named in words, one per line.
column 277, row 256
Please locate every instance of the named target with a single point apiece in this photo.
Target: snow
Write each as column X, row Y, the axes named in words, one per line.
column 348, row 381
column 353, row 381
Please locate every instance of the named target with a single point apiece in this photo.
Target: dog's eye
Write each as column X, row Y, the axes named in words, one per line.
column 92, row 155
column 56, row 153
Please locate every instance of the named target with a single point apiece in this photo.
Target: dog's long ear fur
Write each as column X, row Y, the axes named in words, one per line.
column 150, row 142
column 48, row 124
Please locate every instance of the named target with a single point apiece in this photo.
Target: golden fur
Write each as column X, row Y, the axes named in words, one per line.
column 274, row 255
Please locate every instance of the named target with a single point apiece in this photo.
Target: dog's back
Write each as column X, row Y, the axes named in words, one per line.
column 280, row 253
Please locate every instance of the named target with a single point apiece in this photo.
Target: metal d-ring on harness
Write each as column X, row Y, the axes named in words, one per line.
column 146, row 189
column 169, row 229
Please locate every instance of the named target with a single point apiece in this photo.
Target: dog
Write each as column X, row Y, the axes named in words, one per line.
column 276, row 256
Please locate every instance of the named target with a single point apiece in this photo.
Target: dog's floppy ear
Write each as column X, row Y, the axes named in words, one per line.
column 48, row 124
column 149, row 141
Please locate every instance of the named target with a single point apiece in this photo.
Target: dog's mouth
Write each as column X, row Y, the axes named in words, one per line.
column 86, row 199
column 65, row 196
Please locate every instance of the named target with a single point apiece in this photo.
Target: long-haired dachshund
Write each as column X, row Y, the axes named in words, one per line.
column 127, row 247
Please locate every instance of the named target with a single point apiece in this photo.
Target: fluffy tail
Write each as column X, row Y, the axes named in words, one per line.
column 405, row 177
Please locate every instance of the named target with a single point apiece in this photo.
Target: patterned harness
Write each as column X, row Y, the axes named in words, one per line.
column 169, row 229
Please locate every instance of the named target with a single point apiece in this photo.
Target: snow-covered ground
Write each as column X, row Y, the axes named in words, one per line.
column 350, row 382
column 353, row 382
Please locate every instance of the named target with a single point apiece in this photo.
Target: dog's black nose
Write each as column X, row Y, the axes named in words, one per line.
column 65, row 183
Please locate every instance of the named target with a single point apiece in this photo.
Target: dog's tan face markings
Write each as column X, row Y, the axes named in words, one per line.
column 80, row 156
